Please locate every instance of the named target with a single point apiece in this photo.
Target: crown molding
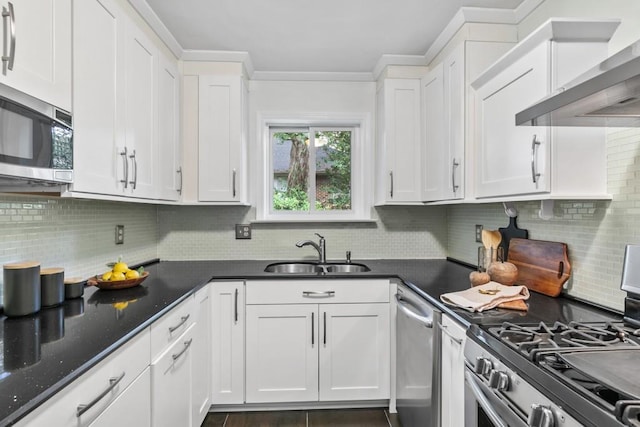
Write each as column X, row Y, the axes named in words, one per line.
column 386, row 60
column 220, row 56
column 525, row 8
column 145, row 11
column 308, row 76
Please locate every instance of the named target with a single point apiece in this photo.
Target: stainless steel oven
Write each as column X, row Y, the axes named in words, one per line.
column 36, row 141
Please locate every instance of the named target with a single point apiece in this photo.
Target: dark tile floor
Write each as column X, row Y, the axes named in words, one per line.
column 314, row 418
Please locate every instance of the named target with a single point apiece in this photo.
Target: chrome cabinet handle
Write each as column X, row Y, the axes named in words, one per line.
column 8, row 60
column 134, row 164
column 183, row 319
column 179, row 172
column 534, row 166
column 113, row 382
column 125, row 167
column 178, row 355
column 316, row 294
column 324, row 331
column 391, row 182
column 313, row 333
column 235, row 307
column 444, row 329
column 405, row 306
column 454, row 166
column 483, row 401
column 233, row 178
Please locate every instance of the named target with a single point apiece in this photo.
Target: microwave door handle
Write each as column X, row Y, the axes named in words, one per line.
column 483, row 401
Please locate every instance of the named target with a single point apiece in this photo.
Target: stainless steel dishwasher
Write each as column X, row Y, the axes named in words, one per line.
column 417, row 360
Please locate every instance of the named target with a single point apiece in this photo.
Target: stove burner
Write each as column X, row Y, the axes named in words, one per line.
column 533, row 340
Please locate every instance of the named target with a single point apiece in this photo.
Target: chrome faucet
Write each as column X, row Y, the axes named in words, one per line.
column 321, row 248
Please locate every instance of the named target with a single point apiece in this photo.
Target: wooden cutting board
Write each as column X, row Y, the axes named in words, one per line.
column 543, row 266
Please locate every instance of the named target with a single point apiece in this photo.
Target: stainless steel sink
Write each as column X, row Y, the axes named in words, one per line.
column 346, row 268
column 294, row 268
column 314, row 268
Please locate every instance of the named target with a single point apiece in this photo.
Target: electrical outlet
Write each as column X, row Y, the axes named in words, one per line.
column 243, row 231
column 478, row 233
column 119, row 234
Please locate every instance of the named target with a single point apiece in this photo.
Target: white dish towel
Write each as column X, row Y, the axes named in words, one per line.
column 474, row 300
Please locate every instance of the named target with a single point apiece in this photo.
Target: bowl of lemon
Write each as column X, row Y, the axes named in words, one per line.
column 120, row 277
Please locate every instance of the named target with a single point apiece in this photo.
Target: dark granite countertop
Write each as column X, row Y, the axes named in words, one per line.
column 44, row 352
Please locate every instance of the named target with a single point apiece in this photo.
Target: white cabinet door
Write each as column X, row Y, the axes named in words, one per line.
column 171, row 384
column 140, row 106
column 201, row 358
column 222, row 138
column 99, row 26
column 169, row 179
column 454, row 110
column 354, row 352
column 452, row 384
column 282, row 353
column 398, row 139
column 42, row 49
column 227, row 343
column 131, row 408
column 513, row 159
column 435, row 142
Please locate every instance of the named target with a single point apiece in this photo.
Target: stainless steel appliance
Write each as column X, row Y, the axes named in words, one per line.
column 417, row 360
column 36, row 141
column 606, row 95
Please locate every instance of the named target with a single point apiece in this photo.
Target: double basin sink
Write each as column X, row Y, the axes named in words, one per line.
column 315, row 268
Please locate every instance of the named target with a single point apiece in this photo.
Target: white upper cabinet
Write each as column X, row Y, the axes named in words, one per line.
column 126, row 107
column 222, row 138
column 523, row 162
column 37, row 47
column 435, row 146
column 398, row 153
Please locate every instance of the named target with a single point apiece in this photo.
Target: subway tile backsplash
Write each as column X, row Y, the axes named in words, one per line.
column 77, row 235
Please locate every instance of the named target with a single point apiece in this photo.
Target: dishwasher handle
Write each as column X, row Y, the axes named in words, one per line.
column 410, row 310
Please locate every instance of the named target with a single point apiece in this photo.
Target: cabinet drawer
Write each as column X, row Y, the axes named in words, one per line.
column 96, row 389
column 317, row 291
column 173, row 324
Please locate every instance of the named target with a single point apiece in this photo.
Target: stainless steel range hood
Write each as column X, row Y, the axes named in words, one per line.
column 606, row 95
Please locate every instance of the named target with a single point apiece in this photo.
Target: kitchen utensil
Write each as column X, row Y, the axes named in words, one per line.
column 117, row 284
column 74, row 287
column 514, row 305
column 491, row 241
column 510, row 232
column 21, row 288
column 543, row 266
column 51, row 286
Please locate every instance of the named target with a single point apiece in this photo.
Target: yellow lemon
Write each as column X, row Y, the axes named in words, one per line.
column 132, row 274
column 117, row 275
column 107, row 275
column 120, row 305
column 120, row 267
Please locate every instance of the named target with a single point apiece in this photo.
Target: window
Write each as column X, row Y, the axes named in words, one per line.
column 313, row 171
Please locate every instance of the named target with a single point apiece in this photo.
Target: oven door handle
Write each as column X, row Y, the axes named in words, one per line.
column 407, row 308
column 483, row 401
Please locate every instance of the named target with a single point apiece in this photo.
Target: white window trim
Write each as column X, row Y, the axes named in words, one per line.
column 361, row 166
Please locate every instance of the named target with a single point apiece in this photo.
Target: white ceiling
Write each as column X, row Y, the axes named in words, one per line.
column 313, row 36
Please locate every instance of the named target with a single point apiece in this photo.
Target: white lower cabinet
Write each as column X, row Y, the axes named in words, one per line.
column 326, row 340
column 99, row 394
column 171, row 384
column 131, row 408
column 452, row 388
column 201, row 358
column 227, row 343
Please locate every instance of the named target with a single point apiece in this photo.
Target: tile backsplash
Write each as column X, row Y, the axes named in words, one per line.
column 77, row 235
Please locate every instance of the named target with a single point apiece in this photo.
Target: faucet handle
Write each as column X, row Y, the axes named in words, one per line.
column 322, row 237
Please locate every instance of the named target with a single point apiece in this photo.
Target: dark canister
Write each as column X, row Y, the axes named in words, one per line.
column 52, row 286
column 74, row 287
column 21, row 288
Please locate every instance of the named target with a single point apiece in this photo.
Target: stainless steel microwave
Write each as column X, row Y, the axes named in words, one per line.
column 36, row 141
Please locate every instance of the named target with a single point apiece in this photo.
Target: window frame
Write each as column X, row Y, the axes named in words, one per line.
column 361, row 170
